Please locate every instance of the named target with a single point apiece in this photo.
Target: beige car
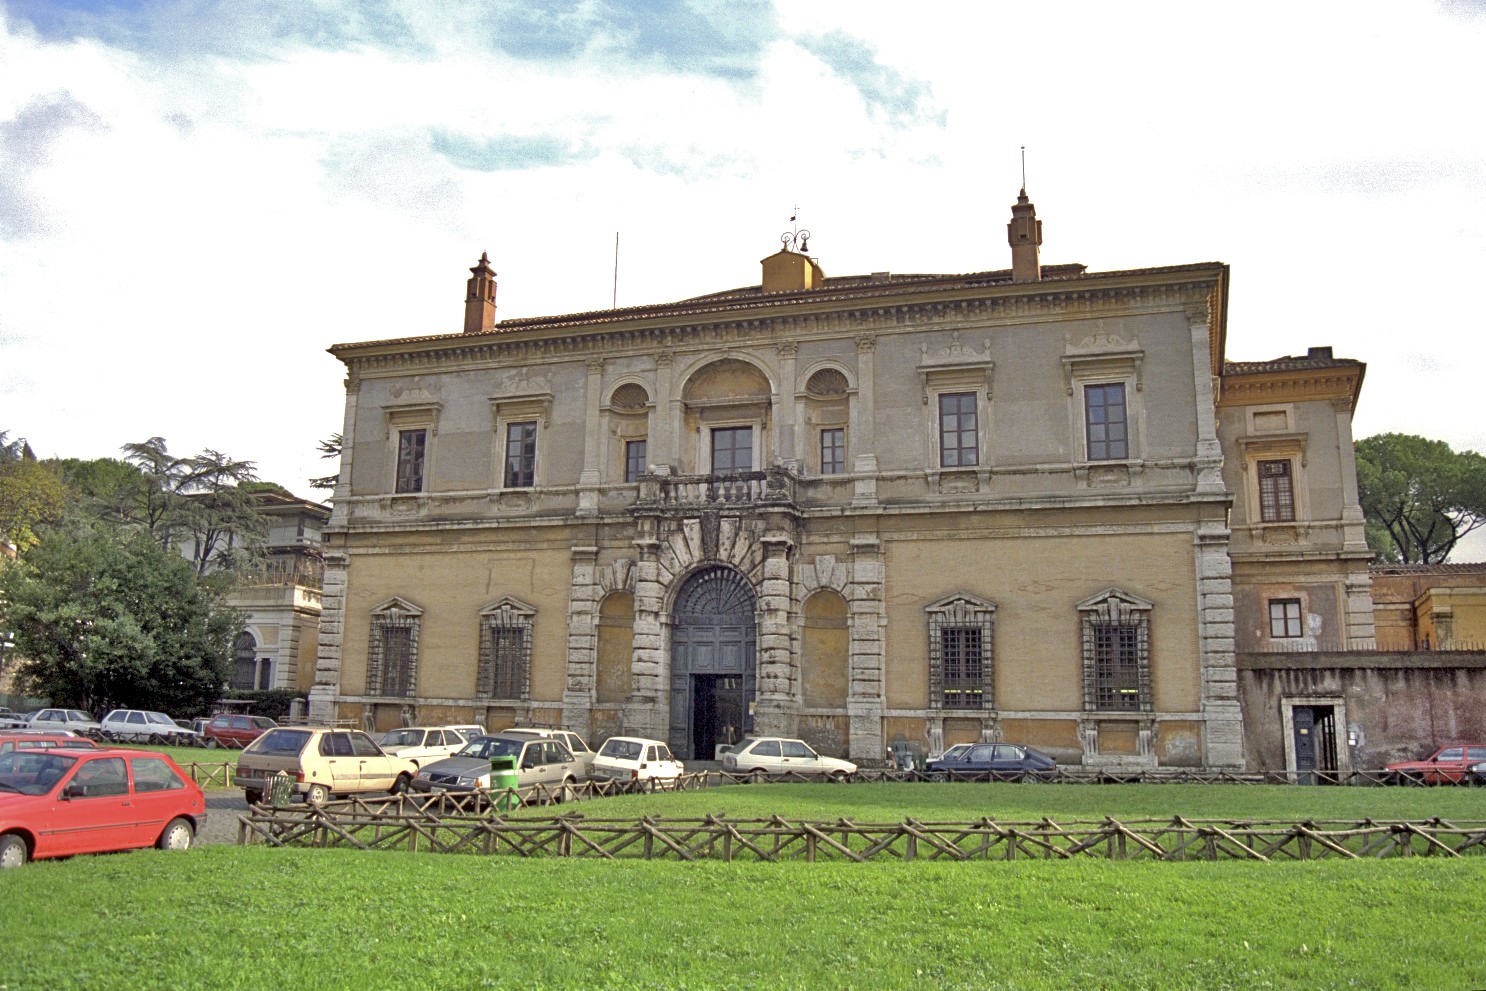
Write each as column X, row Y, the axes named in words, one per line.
column 322, row 762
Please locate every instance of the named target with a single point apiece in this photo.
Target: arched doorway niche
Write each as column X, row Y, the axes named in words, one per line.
column 714, row 661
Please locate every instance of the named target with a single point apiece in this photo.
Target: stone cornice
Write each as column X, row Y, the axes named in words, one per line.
column 1340, row 382
column 906, row 310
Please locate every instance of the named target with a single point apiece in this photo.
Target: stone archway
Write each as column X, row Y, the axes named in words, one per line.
column 714, row 661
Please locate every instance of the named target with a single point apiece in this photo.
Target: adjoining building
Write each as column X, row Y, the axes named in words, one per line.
column 1032, row 503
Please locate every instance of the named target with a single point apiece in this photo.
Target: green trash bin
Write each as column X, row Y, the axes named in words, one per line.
column 503, row 783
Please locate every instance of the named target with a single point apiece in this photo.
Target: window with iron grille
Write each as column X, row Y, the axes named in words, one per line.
column 521, row 455
column 961, row 630
column 634, row 460
column 1106, row 423
column 392, row 661
column 411, row 445
column 504, row 667
column 1276, row 493
column 833, row 451
column 1117, row 653
column 958, row 430
column 1284, row 618
column 244, row 662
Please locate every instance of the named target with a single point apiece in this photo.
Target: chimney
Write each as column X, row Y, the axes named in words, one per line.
column 479, row 300
column 1024, row 234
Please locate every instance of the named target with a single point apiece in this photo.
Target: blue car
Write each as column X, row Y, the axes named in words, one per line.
column 996, row 761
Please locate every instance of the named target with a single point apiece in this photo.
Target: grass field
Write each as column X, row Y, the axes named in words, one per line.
column 225, row 917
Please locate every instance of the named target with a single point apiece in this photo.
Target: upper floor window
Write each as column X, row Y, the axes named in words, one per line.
column 1284, row 618
column 634, row 460
column 1276, row 492
column 732, row 449
column 521, row 455
column 1105, row 422
column 958, row 430
column 411, row 447
column 833, row 451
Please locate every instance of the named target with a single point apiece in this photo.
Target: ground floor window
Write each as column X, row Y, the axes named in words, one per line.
column 961, row 636
column 1116, row 652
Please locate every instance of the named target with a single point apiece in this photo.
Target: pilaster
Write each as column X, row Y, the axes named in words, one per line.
column 867, row 616
column 775, row 713
column 593, row 455
column 645, row 712
column 863, row 435
column 328, row 656
column 1222, row 717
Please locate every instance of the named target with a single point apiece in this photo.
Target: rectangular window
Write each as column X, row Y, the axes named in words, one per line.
column 397, row 661
column 1284, row 618
column 1117, row 666
column 1105, row 422
column 521, row 455
column 958, row 430
column 634, row 460
column 833, row 451
column 504, row 653
column 1276, row 493
column 411, row 445
column 732, row 449
column 963, row 665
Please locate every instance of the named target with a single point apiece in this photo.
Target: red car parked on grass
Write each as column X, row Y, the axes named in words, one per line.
column 60, row 802
column 1448, row 765
column 235, row 730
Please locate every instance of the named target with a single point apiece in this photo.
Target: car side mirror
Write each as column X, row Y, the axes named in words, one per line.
column 74, row 790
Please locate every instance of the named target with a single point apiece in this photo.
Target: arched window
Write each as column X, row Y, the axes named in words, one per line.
column 245, row 662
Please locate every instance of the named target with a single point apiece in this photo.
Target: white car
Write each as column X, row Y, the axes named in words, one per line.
column 142, row 726
column 423, row 744
column 635, row 758
column 777, row 755
column 75, row 720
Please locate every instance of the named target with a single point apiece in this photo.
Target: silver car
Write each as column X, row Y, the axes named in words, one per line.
column 539, row 761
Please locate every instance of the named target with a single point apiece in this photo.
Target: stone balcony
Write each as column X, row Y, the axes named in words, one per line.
column 747, row 489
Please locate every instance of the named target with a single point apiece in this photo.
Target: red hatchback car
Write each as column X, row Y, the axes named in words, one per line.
column 1448, row 765
column 43, row 741
column 234, row 730
column 60, row 802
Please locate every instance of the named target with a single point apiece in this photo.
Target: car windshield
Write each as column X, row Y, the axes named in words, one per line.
column 402, row 738
column 77, row 715
column 492, row 746
column 740, row 746
column 33, row 772
column 161, row 718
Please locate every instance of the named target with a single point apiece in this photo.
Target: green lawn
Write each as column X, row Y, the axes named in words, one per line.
column 224, row 917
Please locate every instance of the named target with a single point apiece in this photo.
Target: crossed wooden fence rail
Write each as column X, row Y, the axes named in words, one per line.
column 442, row 826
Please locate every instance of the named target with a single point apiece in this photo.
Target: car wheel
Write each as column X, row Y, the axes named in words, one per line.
column 253, row 797
column 317, row 794
column 211, row 744
column 13, row 852
column 400, row 785
column 758, row 774
column 178, row 835
column 836, row 777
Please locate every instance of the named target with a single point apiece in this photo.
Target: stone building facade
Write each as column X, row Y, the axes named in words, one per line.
column 871, row 510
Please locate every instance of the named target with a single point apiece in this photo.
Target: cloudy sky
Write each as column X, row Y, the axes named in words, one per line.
column 197, row 197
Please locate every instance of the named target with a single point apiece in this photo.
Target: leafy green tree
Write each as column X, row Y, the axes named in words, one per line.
column 1418, row 496
column 31, row 493
column 104, row 618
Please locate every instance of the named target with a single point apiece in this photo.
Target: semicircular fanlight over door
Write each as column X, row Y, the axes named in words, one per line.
column 713, row 661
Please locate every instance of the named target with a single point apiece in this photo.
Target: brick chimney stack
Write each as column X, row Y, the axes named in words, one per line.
column 479, row 300
column 1024, row 234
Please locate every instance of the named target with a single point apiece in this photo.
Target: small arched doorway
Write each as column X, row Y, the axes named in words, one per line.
column 713, row 662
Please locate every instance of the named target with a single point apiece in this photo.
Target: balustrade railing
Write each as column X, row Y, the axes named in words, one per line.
column 772, row 486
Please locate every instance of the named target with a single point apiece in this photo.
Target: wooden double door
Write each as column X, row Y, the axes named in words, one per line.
column 713, row 662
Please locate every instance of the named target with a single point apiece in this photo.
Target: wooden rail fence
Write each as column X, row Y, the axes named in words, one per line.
column 437, row 826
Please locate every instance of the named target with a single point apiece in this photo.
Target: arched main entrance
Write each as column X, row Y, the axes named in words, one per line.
column 713, row 662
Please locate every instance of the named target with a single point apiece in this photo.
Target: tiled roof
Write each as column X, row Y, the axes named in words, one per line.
column 1289, row 363
column 1468, row 568
column 839, row 289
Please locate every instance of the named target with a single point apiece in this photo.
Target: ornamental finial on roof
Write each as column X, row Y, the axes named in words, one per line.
column 795, row 236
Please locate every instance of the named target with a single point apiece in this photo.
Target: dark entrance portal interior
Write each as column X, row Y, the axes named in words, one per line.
column 1315, row 743
column 718, row 710
column 712, row 662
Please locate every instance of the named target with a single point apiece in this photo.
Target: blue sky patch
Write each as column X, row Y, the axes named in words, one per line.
column 508, row 152
column 882, row 88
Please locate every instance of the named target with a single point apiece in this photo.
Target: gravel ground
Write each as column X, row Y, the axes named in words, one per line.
column 222, row 810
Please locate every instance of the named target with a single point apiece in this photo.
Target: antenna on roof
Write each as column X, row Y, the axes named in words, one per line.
column 1024, row 168
column 614, row 300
